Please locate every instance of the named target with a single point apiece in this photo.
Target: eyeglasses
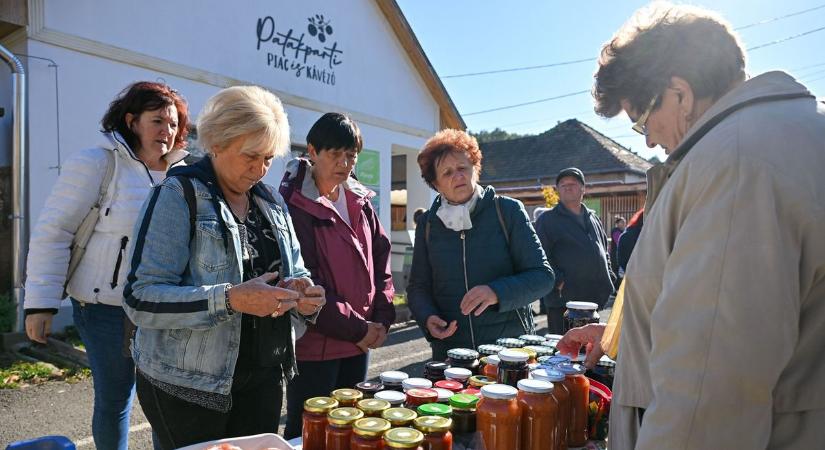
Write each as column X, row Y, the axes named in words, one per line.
column 641, row 125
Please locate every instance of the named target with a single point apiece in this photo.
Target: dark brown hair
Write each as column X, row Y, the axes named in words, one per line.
column 145, row 96
column 662, row 42
column 443, row 143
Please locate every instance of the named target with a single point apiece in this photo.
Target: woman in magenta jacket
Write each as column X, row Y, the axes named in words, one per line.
column 348, row 253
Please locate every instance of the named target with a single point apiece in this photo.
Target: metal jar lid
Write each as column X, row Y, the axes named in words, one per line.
column 582, row 306
column 371, row 426
column 547, row 374
column 344, row 416
column 532, row 339
column 399, row 416
column 434, row 409
column 499, row 392
column 373, row 405
column 403, row 438
column 416, row 383
column 394, row 397
column 571, row 369
column 433, row 424
column 320, row 404
column 393, row 376
column 510, row 342
column 541, row 350
column 347, row 395
column 462, row 354
column 458, row 373
column 514, row 355
column 490, row 349
column 463, row 401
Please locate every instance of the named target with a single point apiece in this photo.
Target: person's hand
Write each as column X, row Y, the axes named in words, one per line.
column 369, row 338
column 313, row 299
column 588, row 336
column 39, row 326
column 258, row 298
column 296, row 284
column 560, row 286
column 438, row 327
column 478, row 299
column 382, row 334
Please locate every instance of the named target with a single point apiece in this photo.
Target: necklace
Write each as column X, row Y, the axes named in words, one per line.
column 241, row 217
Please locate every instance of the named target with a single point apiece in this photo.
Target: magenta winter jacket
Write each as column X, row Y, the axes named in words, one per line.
column 351, row 263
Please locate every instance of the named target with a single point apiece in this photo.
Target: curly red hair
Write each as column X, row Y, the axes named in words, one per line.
column 443, row 143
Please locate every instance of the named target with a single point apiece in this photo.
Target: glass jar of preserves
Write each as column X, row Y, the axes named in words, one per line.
column 373, row 407
column 471, row 391
column 367, row 434
column 409, row 438
column 464, row 413
column 347, row 397
column 464, row 358
column 491, row 368
column 395, row 398
column 452, row 385
column 339, row 428
column 553, row 361
column 477, row 381
column 392, row 380
column 416, row 383
column 489, row 349
column 459, row 374
column 562, row 396
column 434, row 409
column 532, row 339
column 434, row 370
column 579, row 314
column 369, row 388
column 579, row 387
column 541, row 350
column 418, row 397
column 552, row 340
column 604, row 371
column 437, row 435
column 444, row 395
column 513, row 367
column 498, row 417
column 531, row 354
column 399, row 417
column 510, row 342
column 539, row 413
column 315, row 421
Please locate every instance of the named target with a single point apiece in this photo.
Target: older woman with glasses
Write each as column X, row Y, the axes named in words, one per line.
column 724, row 308
column 218, row 286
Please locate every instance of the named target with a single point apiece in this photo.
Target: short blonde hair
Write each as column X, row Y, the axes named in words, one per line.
column 248, row 111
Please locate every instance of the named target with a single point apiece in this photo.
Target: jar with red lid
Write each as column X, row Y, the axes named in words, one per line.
column 452, row 385
column 315, row 421
column 418, row 397
column 367, row 433
column 471, row 391
column 437, row 435
column 498, row 417
column 339, row 429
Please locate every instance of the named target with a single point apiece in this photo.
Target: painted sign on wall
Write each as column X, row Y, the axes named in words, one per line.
column 368, row 171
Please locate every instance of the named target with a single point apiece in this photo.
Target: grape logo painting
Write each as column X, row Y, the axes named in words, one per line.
column 312, row 52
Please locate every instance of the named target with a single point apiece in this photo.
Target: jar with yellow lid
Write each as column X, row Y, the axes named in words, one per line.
column 315, row 421
column 399, row 417
column 437, row 435
column 367, row 433
column 373, row 407
column 339, row 429
column 477, row 381
column 347, row 397
column 408, row 438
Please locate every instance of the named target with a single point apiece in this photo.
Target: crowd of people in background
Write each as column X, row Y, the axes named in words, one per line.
column 226, row 291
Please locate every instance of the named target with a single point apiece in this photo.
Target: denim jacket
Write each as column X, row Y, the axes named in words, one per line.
column 175, row 291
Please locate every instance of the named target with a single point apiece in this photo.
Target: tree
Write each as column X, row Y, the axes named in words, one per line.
column 654, row 160
column 496, row 135
column 551, row 197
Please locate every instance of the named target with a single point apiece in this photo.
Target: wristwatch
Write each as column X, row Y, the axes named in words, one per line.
column 229, row 309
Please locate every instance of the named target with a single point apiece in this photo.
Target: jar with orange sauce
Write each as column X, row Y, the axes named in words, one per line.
column 579, row 387
column 498, row 417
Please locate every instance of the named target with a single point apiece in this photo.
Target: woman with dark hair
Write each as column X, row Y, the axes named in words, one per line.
column 348, row 253
column 477, row 263
column 143, row 131
column 724, row 298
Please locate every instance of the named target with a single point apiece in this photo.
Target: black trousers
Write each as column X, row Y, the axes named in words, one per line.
column 555, row 320
column 318, row 379
column 257, row 396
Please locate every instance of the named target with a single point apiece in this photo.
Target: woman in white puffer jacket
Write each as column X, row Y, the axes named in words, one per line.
column 145, row 130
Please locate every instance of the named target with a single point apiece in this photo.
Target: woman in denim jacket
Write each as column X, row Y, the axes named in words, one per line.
column 217, row 297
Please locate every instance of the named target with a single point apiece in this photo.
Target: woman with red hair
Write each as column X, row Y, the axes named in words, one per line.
column 144, row 132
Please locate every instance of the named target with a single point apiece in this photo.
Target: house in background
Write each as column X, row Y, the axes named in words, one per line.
column 520, row 168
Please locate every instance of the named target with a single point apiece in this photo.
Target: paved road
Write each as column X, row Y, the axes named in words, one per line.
column 66, row 409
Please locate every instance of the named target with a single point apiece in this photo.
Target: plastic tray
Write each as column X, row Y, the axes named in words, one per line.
column 257, row 442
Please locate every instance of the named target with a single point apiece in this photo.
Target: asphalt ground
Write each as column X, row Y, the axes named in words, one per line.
column 60, row 408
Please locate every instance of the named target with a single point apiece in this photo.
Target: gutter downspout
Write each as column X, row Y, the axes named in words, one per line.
column 20, row 202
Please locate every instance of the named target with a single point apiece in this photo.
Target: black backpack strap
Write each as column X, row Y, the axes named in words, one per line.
column 189, row 195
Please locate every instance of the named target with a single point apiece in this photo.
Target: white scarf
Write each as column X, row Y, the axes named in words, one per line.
column 457, row 217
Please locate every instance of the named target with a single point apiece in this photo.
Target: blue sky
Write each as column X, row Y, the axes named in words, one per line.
column 466, row 36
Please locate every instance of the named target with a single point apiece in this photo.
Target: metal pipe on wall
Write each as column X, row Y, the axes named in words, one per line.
column 20, row 195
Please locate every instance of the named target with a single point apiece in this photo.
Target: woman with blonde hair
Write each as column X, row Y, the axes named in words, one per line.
column 218, row 288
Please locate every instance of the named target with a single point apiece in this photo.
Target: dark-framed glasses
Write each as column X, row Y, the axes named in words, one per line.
column 641, row 125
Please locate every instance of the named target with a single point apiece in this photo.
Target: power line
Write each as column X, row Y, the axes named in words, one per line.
column 779, row 41
column 763, row 22
column 578, row 61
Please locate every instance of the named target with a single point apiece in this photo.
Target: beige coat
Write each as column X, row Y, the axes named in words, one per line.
column 724, row 323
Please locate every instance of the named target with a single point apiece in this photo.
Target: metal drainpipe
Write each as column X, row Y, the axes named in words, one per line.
column 20, row 200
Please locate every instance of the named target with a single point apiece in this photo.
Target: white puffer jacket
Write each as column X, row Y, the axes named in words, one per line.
column 101, row 274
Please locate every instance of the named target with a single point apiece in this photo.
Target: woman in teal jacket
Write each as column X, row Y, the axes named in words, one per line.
column 477, row 263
